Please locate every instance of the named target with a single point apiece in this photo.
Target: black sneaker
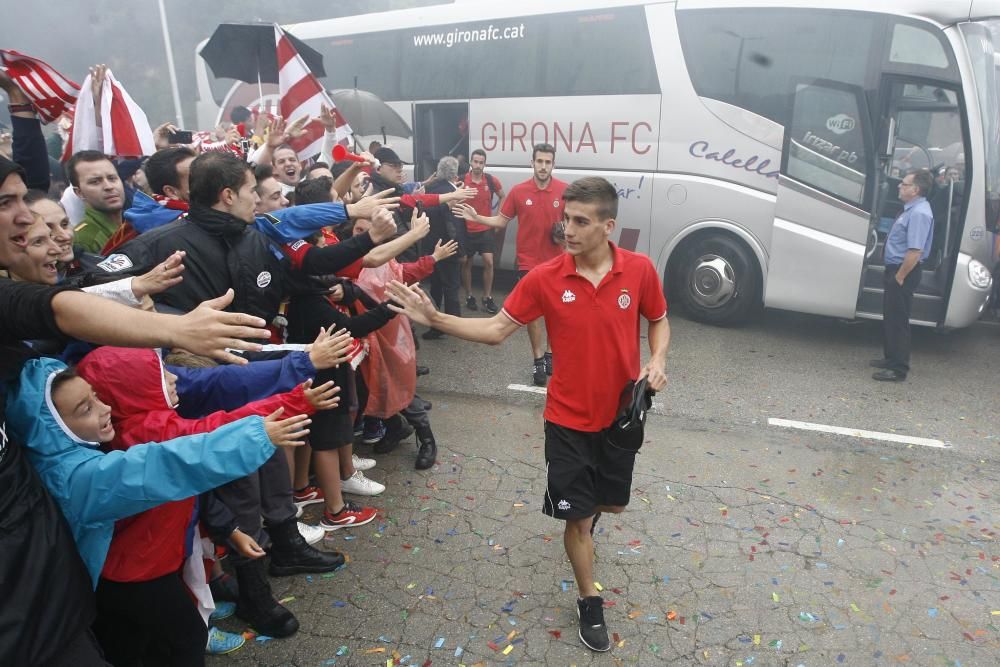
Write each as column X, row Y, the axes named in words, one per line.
column 593, row 630
column 548, row 363
column 538, row 373
column 489, row 305
column 470, row 303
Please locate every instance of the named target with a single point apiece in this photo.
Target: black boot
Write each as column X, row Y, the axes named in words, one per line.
column 290, row 554
column 427, row 455
column 257, row 605
column 397, row 430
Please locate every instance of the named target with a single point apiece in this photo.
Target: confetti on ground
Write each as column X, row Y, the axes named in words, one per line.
column 439, row 643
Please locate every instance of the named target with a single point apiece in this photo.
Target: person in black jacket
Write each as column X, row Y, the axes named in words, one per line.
column 47, row 600
column 224, row 252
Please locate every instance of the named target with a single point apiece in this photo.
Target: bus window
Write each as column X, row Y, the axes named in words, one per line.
column 912, row 45
column 602, row 53
column 752, row 58
column 826, row 147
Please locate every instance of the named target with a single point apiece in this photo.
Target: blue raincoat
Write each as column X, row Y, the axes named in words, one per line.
column 94, row 489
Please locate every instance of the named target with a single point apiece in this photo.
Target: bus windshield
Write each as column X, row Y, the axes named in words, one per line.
column 983, row 38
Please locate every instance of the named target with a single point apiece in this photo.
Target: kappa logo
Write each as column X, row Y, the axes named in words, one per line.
column 263, row 279
column 527, row 202
column 564, row 505
column 115, row 263
column 568, row 297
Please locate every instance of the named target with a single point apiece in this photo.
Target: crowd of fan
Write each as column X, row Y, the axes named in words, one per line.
column 244, row 225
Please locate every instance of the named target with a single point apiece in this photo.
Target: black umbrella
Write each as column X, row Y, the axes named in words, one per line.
column 368, row 114
column 247, row 52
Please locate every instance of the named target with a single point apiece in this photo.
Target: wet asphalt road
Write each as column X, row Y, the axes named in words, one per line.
column 744, row 544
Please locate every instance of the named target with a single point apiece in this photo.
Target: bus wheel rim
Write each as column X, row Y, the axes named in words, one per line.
column 713, row 281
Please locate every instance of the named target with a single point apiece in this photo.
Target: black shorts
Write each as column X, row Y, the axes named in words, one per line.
column 583, row 472
column 483, row 243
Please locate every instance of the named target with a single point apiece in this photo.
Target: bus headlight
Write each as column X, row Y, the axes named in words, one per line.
column 979, row 275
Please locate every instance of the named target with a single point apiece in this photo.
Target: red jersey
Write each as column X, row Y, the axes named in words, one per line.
column 536, row 210
column 594, row 332
column 482, row 202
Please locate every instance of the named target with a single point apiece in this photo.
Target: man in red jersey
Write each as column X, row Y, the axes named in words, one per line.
column 480, row 238
column 537, row 204
column 591, row 299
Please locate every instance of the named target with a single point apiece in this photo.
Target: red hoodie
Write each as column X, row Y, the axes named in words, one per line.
column 152, row 544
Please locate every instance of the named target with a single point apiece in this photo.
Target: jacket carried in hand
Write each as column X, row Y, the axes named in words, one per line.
column 152, row 544
column 94, row 489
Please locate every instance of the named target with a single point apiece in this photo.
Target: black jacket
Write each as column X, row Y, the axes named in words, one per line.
column 223, row 252
column 46, row 598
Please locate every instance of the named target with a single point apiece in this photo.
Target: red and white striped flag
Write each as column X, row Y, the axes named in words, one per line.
column 124, row 130
column 302, row 95
column 50, row 92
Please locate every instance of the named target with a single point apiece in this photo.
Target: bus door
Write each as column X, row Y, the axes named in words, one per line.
column 823, row 207
column 921, row 128
column 439, row 129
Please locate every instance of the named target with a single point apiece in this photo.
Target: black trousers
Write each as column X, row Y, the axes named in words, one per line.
column 445, row 283
column 897, row 303
column 82, row 651
column 149, row 623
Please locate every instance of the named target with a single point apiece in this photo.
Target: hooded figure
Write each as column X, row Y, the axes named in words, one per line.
column 94, row 489
column 132, row 382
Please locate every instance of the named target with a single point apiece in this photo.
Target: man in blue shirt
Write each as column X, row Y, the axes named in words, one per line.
column 906, row 247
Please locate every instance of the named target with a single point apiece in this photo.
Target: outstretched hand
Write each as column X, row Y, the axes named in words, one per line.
column 323, row 397
column 411, row 301
column 420, row 224
column 466, row 211
column 366, row 207
column 208, row 330
column 162, row 277
column 445, row 250
column 383, row 225
column 289, row 432
column 330, row 349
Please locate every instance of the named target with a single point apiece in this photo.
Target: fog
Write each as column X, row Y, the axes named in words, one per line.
column 126, row 35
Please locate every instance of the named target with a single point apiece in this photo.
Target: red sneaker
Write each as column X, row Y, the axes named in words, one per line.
column 308, row 496
column 351, row 515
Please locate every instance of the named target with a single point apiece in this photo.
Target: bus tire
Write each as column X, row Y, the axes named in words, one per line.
column 718, row 281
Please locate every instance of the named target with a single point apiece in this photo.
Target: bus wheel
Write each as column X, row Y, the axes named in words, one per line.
column 718, row 282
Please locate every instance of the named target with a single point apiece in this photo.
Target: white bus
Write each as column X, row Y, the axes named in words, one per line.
column 756, row 145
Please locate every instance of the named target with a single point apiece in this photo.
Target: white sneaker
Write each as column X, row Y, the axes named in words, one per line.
column 311, row 534
column 362, row 463
column 360, row 485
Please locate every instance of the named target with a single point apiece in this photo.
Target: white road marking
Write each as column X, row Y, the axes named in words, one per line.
column 530, row 390
column 859, row 433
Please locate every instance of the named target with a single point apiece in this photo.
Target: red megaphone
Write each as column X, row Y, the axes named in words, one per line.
column 341, row 153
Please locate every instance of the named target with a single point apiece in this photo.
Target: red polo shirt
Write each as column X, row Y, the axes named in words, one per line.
column 482, row 202
column 594, row 333
column 535, row 210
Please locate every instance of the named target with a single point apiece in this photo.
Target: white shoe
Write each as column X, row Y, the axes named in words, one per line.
column 298, row 511
column 311, row 534
column 360, row 485
column 361, row 463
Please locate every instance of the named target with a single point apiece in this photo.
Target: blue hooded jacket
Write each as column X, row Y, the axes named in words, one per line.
column 283, row 226
column 94, row 489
